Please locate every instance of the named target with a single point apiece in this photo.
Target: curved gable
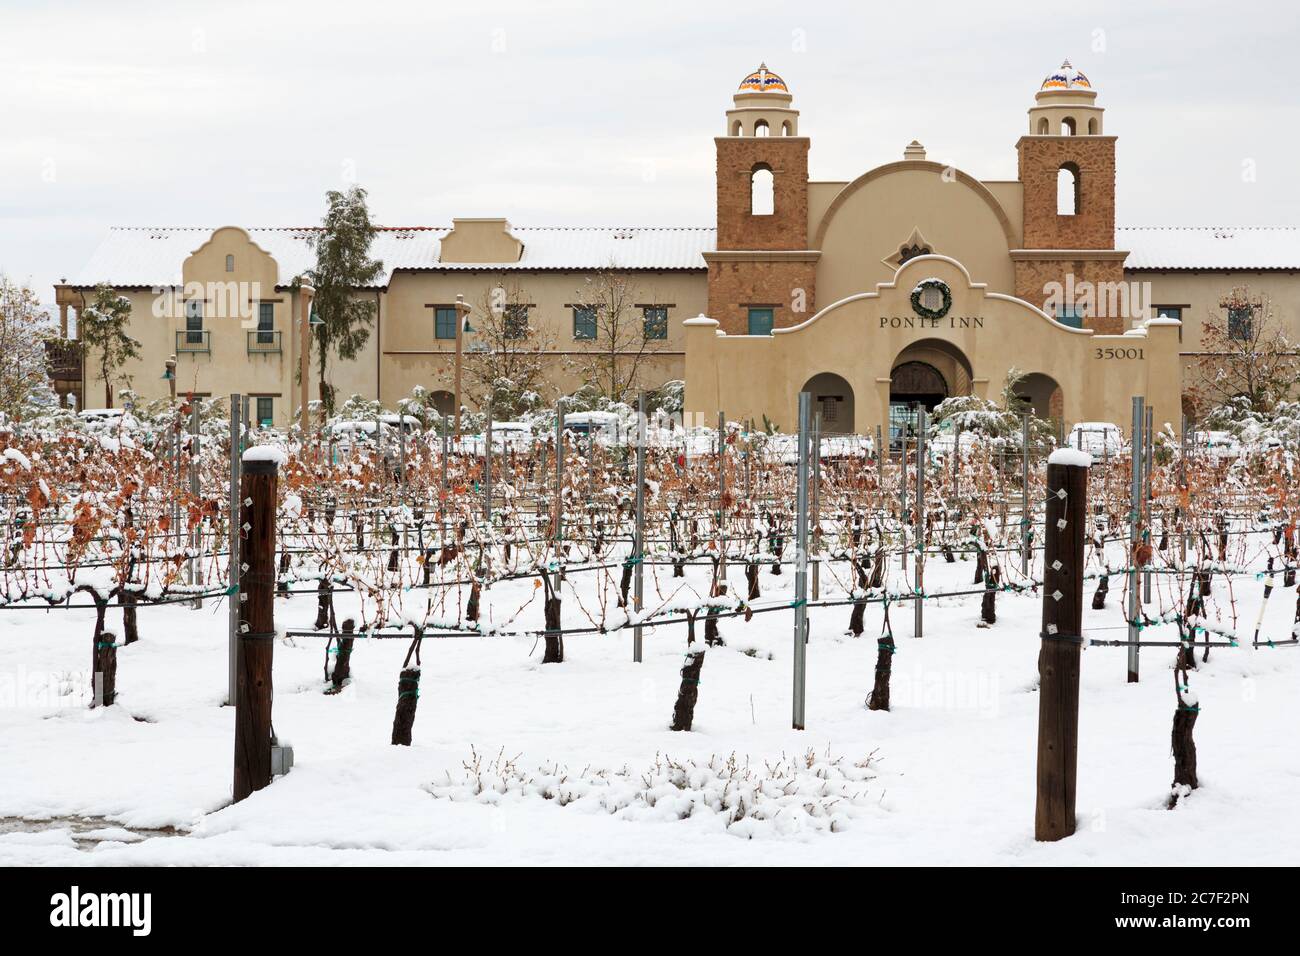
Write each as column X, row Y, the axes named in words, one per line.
column 871, row 217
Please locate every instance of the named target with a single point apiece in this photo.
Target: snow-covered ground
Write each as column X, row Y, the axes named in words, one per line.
column 951, row 767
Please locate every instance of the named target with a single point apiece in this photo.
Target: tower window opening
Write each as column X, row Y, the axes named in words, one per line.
column 1092, row 126
column 762, row 198
column 785, row 129
column 1067, row 190
column 1043, row 126
column 760, row 128
column 1067, row 126
column 737, row 129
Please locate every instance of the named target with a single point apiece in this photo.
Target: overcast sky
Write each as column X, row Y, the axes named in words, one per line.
column 567, row 113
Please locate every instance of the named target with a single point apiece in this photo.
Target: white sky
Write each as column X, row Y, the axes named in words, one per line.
column 559, row 113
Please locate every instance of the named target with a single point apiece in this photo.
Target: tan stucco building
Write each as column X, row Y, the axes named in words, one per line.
column 911, row 282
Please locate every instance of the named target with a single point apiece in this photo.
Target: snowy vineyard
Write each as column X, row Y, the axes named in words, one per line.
column 385, row 552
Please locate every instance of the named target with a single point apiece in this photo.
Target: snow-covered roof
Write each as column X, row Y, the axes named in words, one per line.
column 1210, row 247
column 147, row 257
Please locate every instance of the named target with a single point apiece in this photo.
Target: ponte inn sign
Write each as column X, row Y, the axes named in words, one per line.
column 929, row 333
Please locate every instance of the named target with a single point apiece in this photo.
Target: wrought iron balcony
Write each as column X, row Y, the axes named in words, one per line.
column 194, row 340
column 263, row 342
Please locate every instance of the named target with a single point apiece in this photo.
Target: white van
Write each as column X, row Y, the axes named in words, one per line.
column 1099, row 439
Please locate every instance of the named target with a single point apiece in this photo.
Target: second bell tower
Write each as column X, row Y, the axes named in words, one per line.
column 762, row 274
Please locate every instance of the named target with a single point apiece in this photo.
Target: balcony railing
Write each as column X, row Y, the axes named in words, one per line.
column 263, row 342
column 64, row 361
column 193, row 340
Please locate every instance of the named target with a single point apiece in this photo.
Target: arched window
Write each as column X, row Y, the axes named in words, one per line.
column 1043, row 126
column 737, row 129
column 785, row 128
column 762, row 199
column 760, row 128
column 1067, row 190
column 1067, row 126
column 1092, row 126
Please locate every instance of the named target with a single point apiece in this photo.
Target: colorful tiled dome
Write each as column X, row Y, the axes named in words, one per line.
column 1066, row 78
column 763, row 81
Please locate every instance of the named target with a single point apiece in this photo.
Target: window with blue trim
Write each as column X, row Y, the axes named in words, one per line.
column 1171, row 312
column 444, row 322
column 1240, row 321
column 265, row 323
column 515, row 325
column 194, row 322
column 584, row 322
column 264, row 410
column 1071, row 315
column 656, row 322
column 761, row 321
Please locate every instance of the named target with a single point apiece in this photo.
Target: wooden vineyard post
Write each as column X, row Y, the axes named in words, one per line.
column 1062, row 640
column 256, row 626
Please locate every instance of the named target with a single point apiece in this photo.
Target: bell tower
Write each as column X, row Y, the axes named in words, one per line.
column 762, row 268
column 1067, row 171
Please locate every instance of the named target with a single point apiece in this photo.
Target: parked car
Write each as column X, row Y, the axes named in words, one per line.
column 1099, row 439
column 409, row 423
column 1221, row 446
column 598, row 424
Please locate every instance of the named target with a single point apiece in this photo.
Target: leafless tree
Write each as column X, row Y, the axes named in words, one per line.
column 505, row 356
column 1245, row 355
column 622, row 336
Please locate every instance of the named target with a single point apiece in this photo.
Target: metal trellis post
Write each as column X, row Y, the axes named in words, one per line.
column 917, row 603
column 801, row 566
column 638, row 542
column 1135, row 508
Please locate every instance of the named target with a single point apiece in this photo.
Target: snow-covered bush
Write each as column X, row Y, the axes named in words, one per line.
column 787, row 796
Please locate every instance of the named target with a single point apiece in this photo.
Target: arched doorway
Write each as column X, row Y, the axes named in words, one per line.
column 1044, row 396
column 832, row 396
column 924, row 373
column 444, row 402
column 917, row 382
column 912, row 383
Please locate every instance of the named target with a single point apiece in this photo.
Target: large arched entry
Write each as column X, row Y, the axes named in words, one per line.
column 832, row 396
column 924, row 373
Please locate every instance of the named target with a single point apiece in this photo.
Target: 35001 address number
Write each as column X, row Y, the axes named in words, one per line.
column 1119, row 353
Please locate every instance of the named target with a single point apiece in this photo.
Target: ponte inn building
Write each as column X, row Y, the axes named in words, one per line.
column 912, row 282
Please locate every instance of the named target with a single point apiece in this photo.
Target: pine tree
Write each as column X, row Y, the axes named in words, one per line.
column 343, row 265
column 103, row 333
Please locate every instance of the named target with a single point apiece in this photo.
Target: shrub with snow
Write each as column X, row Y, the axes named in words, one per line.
column 807, row 794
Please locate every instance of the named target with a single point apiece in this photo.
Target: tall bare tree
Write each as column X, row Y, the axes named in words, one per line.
column 504, row 358
column 620, row 335
column 1245, row 355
